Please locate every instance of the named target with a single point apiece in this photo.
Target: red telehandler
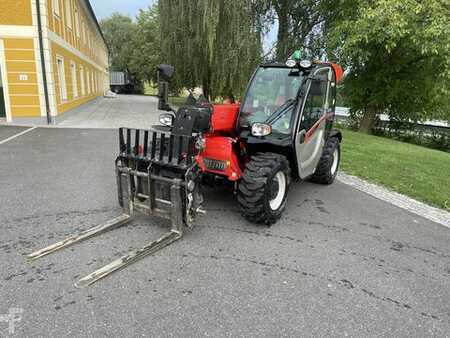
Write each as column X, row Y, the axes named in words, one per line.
column 282, row 131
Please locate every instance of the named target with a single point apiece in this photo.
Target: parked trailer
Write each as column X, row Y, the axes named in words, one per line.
column 121, row 82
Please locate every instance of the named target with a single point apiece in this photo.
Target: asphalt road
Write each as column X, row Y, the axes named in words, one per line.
column 8, row 131
column 338, row 263
column 133, row 111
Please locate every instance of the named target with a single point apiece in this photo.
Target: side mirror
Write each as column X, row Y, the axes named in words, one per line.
column 164, row 73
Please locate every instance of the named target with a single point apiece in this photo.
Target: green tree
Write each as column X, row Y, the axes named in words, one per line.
column 397, row 54
column 212, row 43
column 146, row 52
column 119, row 31
column 299, row 24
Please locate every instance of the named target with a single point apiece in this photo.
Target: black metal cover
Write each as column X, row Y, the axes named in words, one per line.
column 192, row 119
column 156, row 146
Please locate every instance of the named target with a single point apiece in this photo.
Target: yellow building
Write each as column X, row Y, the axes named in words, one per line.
column 53, row 58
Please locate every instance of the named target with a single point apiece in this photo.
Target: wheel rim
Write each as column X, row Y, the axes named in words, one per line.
column 280, row 180
column 334, row 166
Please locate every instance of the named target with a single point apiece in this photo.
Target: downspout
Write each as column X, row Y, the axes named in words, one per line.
column 44, row 72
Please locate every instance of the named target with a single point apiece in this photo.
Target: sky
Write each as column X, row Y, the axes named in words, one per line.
column 104, row 8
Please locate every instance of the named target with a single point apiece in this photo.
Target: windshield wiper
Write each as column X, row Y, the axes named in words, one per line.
column 279, row 111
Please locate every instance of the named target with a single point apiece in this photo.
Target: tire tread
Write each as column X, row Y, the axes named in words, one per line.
column 252, row 188
column 323, row 175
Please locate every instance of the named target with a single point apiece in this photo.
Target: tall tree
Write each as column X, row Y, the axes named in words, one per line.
column 397, row 53
column 299, row 24
column 146, row 51
column 211, row 43
column 119, row 31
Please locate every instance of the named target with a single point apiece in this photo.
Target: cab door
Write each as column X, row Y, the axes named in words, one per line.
column 310, row 133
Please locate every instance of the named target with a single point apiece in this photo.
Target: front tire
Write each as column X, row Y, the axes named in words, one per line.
column 328, row 166
column 263, row 188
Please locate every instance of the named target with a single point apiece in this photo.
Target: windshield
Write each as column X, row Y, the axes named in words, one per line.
column 270, row 98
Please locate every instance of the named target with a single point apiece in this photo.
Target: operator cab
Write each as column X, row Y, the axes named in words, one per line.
column 289, row 108
column 270, row 98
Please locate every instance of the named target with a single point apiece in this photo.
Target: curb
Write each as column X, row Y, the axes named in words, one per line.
column 436, row 215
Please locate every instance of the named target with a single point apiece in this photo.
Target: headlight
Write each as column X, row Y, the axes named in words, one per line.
column 166, row 119
column 305, row 63
column 291, row 63
column 261, row 129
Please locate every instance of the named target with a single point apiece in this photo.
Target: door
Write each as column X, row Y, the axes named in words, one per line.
column 2, row 97
column 310, row 137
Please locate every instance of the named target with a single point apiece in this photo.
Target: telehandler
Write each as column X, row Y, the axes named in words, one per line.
column 281, row 132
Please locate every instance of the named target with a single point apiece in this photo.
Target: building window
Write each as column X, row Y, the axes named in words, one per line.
column 73, row 69
column 92, row 82
column 68, row 4
column 61, row 78
column 84, row 33
column 77, row 22
column 55, row 5
column 88, row 79
column 82, row 30
column 83, row 88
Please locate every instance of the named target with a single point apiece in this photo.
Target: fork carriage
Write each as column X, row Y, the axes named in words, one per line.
column 156, row 175
column 160, row 174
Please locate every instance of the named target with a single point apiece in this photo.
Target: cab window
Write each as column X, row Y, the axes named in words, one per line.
column 316, row 101
column 271, row 88
column 282, row 124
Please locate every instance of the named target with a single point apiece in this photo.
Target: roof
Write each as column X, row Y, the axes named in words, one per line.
column 91, row 11
column 274, row 65
column 337, row 68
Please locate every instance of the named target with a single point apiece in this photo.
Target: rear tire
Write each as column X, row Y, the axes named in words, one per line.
column 328, row 166
column 263, row 188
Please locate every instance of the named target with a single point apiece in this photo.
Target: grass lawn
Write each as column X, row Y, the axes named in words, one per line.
column 177, row 101
column 421, row 173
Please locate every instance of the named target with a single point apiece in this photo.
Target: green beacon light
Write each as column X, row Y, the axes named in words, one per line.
column 294, row 59
column 297, row 55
